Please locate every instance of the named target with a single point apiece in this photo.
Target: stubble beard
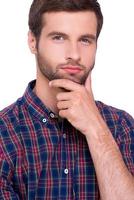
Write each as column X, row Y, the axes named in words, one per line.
column 47, row 71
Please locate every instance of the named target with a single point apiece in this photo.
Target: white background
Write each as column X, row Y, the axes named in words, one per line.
column 113, row 80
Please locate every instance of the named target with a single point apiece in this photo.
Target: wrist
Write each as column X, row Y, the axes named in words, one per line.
column 96, row 129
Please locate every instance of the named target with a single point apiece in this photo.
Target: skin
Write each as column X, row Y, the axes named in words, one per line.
column 70, row 94
column 55, row 51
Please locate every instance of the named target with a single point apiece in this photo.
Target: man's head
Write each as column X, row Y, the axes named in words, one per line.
column 64, row 36
column 39, row 7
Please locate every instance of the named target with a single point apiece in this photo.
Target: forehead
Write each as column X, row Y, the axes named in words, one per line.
column 71, row 22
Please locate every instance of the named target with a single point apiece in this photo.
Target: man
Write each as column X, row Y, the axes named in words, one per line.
column 56, row 142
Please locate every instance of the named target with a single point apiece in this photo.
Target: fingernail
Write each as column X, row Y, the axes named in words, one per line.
column 50, row 83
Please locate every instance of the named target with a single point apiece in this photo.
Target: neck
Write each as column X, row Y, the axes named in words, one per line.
column 46, row 94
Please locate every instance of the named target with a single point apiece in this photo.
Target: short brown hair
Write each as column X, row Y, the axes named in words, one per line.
column 39, row 7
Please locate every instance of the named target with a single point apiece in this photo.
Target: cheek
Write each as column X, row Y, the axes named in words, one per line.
column 54, row 51
column 89, row 56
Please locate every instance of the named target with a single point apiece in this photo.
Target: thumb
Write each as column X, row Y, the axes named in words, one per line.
column 88, row 84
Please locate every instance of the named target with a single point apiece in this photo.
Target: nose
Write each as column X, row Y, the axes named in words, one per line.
column 73, row 52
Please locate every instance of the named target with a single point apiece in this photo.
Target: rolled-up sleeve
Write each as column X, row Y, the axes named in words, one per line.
column 125, row 139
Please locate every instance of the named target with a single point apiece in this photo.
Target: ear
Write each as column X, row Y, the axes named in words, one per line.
column 32, row 42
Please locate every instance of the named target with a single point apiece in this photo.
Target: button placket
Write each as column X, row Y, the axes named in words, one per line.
column 66, row 171
column 52, row 115
column 64, row 163
column 64, row 135
column 44, row 120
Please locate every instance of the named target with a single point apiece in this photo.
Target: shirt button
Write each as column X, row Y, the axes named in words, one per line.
column 52, row 115
column 44, row 120
column 64, row 136
column 66, row 171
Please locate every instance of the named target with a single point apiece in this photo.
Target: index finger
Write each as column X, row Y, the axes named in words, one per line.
column 65, row 84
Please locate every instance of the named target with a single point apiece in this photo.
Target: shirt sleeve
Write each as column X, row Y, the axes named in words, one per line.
column 125, row 140
column 6, row 185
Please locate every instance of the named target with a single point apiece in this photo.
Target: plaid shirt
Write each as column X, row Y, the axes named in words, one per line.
column 45, row 158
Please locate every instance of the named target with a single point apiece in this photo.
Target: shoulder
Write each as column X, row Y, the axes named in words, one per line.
column 110, row 112
column 10, row 115
column 119, row 121
column 10, row 131
column 121, row 125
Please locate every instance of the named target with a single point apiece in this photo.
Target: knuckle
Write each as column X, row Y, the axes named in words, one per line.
column 58, row 96
column 62, row 113
column 71, row 112
column 78, row 97
column 63, row 82
column 58, row 104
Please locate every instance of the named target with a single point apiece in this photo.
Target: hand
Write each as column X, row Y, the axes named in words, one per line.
column 77, row 104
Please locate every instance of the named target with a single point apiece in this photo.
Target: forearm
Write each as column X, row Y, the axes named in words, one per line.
column 115, row 181
column 77, row 105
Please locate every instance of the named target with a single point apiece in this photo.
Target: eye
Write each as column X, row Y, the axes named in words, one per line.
column 58, row 38
column 86, row 41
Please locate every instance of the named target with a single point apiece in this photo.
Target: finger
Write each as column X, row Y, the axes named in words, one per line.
column 64, row 96
column 63, row 113
column 88, row 83
column 63, row 105
column 64, row 83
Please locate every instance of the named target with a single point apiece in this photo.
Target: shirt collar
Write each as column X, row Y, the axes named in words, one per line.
column 35, row 106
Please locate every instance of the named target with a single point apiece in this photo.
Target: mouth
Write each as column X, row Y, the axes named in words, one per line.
column 72, row 69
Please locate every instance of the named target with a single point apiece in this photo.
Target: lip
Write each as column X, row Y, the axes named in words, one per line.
column 71, row 69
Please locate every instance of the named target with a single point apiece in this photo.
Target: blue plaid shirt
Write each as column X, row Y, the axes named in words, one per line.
column 43, row 157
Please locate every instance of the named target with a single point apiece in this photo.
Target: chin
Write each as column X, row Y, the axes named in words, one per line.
column 75, row 80
column 79, row 80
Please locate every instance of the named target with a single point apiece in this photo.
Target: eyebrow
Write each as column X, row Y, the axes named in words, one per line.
column 56, row 33
column 90, row 36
